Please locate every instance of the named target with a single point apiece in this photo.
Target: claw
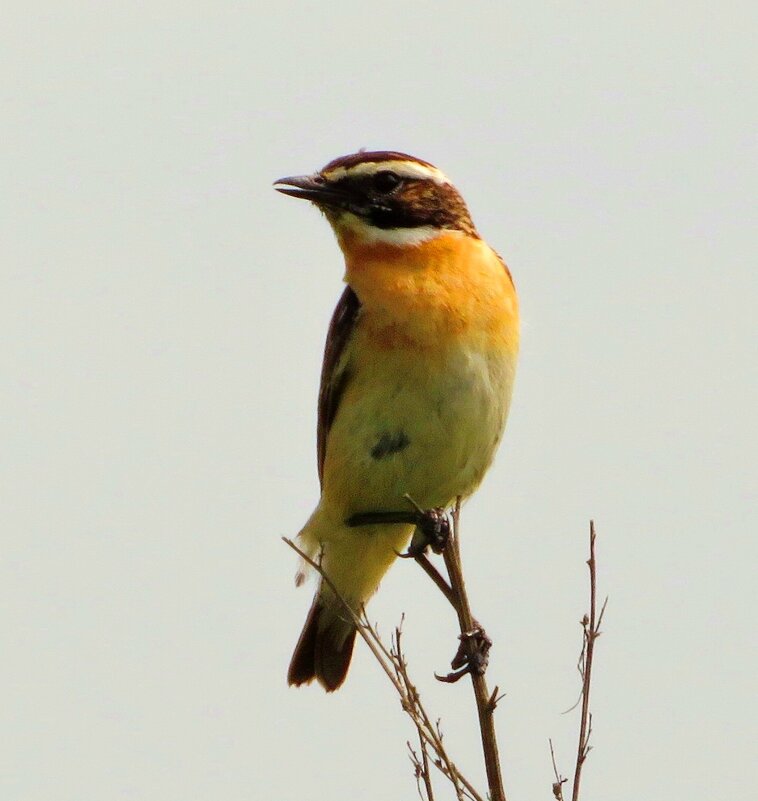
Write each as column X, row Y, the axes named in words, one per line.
column 454, row 676
column 472, row 656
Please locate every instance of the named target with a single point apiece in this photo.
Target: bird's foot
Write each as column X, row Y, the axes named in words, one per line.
column 472, row 656
column 432, row 531
column 432, row 527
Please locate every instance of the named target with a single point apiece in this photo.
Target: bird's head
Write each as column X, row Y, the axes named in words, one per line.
column 383, row 198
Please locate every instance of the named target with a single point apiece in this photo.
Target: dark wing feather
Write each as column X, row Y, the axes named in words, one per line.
column 334, row 375
column 507, row 271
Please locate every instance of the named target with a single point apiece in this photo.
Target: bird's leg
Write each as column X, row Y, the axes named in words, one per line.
column 432, row 526
column 373, row 518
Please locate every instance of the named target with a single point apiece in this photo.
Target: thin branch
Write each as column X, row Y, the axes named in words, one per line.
column 496, row 698
column 591, row 631
column 421, row 766
column 468, row 627
column 436, row 577
column 559, row 780
column 394, row 666
column 425, row 769
column 423, row 724
column 421, row 771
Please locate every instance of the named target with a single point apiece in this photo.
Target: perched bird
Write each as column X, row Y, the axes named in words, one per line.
column 416, row 382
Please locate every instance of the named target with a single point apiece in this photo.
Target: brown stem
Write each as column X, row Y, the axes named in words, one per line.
column 559, row 780
column 591, row 629
column 425, row 726
column 435, row 576
column 426, row 775
column 482, row 695
column 396, row 671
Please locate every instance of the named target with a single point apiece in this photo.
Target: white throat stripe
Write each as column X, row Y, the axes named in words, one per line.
column 372, row 235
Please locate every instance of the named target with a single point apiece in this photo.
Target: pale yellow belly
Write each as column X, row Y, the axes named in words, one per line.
column 411, row 425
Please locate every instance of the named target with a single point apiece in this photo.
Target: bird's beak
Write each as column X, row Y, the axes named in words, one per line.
column 310, row 187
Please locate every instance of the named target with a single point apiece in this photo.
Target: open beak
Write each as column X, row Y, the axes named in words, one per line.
column 310, row 187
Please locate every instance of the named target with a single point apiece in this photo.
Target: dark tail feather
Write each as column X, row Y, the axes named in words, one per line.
column 303, row 663
column 324, row 649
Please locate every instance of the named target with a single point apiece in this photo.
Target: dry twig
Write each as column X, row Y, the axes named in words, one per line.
column 471, row 658
column 559, row 780
column 590, row 632
column 395, row 668
column 485, row 703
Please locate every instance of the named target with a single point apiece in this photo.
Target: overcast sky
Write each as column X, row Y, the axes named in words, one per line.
column 163, row 312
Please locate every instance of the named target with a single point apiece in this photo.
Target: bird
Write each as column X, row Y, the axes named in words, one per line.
column 416, row 382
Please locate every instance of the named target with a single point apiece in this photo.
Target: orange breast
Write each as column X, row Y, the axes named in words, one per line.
column 450, row 289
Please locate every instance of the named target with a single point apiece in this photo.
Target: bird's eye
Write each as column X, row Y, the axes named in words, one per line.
column 386, row 180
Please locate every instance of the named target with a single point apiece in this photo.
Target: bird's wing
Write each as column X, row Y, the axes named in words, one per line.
column 507, row 270
column 335, row 372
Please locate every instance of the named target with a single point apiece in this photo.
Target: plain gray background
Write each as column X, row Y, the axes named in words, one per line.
column 162, row 314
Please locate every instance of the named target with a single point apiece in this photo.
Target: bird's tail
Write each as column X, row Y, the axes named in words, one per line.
column 325, row 647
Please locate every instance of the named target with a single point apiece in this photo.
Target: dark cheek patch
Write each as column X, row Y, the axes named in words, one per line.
column 420, row 203
column 389, row 444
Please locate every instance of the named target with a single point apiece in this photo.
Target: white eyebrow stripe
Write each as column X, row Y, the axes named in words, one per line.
column 405, row 169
